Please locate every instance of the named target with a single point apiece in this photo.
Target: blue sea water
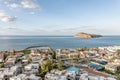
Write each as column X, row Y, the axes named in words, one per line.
column 21, row 42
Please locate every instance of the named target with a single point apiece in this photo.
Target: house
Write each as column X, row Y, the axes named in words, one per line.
column 19, row 77
column 61, row 75
column 33, row 77
column 31, row 66
column 25, row 77
column 28, row 68
column 1, row 57
column 2, row 76
column 6, row 73
column 111, row 67
column 8, row 64
column 13, row 71
column 67, row 54
column 31, row 69
column 19, row 54
column 86, row 76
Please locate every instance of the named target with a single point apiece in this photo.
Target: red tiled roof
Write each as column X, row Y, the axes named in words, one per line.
column 8, row 63
column 95, row 72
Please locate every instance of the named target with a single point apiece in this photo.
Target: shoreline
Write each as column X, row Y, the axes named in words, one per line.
column 27, row 48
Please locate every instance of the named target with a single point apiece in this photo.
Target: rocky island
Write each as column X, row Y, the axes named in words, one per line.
column 86, row 35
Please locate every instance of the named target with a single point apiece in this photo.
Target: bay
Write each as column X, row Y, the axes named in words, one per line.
column 21, row 42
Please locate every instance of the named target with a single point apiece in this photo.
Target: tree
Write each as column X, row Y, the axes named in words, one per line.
column 43, row 67
column 1, row 65
column 85, row 49
column 43, row 70
column 118, row 70
column 53, row 54
column 118, row 77
column 118, row 52
column 51, row 64
column 60, row 65
column 47, row 65
column 26, row 51
column 29, row 59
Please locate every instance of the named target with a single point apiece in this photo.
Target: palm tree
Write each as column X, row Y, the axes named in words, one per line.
column 1, row 65
column 118, row 77
column 43, row 67
column 51, row 64
column 60, row 65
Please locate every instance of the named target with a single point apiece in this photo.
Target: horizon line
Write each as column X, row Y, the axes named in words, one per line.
column 49, row 35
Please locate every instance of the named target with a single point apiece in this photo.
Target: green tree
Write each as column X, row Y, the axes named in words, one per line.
column 1, row 65
column 47, row 65
column 84, row 49
column 118, row 77
column 25, row 51
column 60, row 65
column 118, row 52
column 43, row 67
column 51, row 64
column 29, row 59
column 53, row 54
column 118, row 70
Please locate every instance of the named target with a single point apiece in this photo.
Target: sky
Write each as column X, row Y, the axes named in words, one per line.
column 59, row 17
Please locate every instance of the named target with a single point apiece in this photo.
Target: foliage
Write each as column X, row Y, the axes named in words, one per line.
column 47, row 65
column 117, row 73
column 60, row 65
column 5, row 56
column 118, row 70
column 118, row 52
column 51, row 64
column 29, row 59
column 117, row 77
column 25, row 51
column 1, row 65
column 85, row 49
column 24, row 64
column 53, row 54
column 106, row 71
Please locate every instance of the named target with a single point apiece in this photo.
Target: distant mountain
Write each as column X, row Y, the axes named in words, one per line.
column 86, row 35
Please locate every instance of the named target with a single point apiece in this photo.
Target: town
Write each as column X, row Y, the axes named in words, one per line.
column 45, row 63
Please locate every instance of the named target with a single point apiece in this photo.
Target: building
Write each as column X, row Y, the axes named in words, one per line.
column 1, row 57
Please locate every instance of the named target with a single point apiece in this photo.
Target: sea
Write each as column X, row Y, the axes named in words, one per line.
column 56, row 42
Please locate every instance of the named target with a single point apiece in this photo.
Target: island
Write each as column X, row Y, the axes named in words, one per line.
column 86, row 35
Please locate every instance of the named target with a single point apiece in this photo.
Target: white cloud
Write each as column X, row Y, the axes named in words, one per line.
column 17, row 4
column 14, row 6
column 30, row 4
column 25, row 4
column 5, row 17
